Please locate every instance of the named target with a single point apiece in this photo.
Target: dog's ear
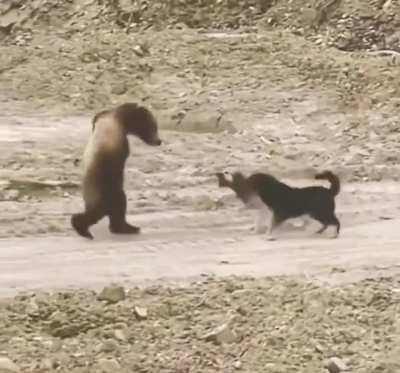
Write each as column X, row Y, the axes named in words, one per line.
column 241, row 186
column 238, row 178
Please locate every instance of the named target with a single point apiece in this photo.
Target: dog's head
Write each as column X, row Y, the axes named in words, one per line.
column 224, row 179
column 245, row 191
column 242, row 188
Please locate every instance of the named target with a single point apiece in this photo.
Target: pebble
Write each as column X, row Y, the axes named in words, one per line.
column 112, row 294
column 108, row 346
column 141, row 313
column 108, row 366
column 221, row 334
column 336, row 365
column 119, row 89
column 65, row 331
column 120, row 335
column 47, row 364
column 237, row 365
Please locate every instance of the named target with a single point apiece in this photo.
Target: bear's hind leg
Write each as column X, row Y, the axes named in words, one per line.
column 82, row 221
column 117, row 213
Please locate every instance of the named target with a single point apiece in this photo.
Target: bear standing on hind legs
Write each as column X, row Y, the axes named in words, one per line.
column 104, row 162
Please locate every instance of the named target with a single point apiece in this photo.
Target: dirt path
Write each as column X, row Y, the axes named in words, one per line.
column 364, row 250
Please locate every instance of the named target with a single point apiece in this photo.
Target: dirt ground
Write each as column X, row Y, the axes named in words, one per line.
column 284, row 87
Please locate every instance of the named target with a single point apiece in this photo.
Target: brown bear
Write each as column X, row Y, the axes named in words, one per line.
column 104, row 162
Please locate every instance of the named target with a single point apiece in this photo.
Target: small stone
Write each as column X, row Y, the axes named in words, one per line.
column 241, row 311
column 56, row 345
column 108, row 366
column 11, row 195
column 237, row 364
column 141, row 313
column 32, row 309
column 112, row 294
column 8, row 366
column 108, row 346
column 47, row 364
column 206, row 121
column 221, row 334
column 60, row 359
column 65, row 331
column 120, row 335
column 138, row 50
column 336, row 365
column 319, row 348
column 119, row 89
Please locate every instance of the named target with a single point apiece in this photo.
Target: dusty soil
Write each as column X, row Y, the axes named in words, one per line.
column 288, row 88
column 274, row 324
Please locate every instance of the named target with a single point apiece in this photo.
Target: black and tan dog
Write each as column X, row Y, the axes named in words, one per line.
column 262, row 190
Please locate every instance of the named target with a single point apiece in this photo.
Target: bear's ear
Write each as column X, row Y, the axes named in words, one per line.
column 97, row 116
column 142, row 111
column 127, row 113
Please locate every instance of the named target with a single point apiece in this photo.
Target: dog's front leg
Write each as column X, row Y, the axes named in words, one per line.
column 260, row 225
column 274, row 222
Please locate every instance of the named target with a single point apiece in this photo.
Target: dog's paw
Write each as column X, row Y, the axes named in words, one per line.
column 270, row 238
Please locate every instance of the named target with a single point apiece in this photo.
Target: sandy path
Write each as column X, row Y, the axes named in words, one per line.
column 59, row 262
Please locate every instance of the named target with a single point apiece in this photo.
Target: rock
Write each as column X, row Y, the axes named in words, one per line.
column 112, row 294
column 60, row 359
column 138, row 50
column 204, row 203
column 108, row 346
column 120, row 335
column 336, row 365
column 64, row 331
column 140, row 313
column 220, row 335
column 119, row 89
column 47, row 364
column 241, row 310
column 237, row 365
column 32, row 309
column 108, row 366
column 11, row 194
column 56, row 345
column 8, row 366
column 205, row 121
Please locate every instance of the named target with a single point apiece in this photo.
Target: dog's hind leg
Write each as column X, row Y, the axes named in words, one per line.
column 326, row 221
column 274, row 223
column 323, row 229
column 336, row 223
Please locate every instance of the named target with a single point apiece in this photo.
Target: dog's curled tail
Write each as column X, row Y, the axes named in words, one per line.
column 332, row 178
